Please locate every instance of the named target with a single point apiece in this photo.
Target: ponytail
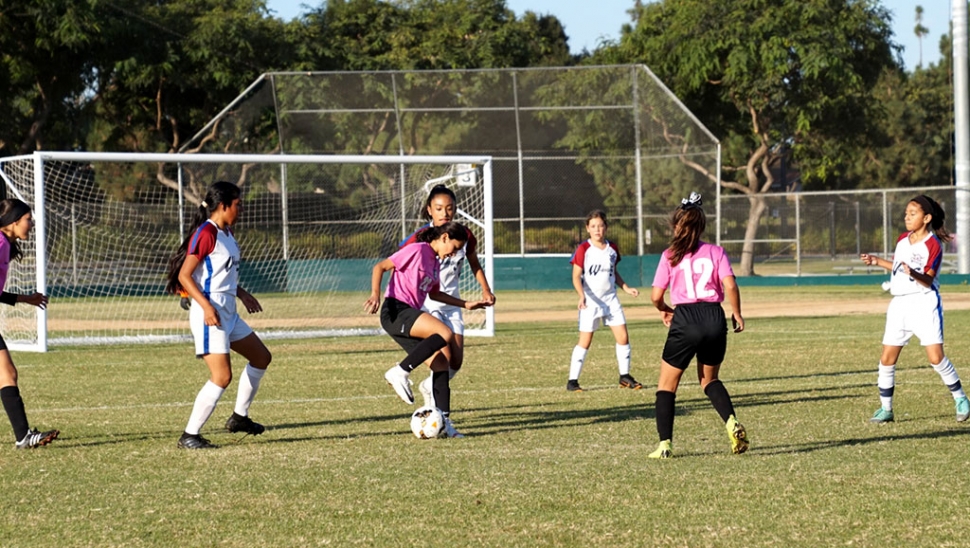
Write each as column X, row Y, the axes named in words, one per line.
column 219, row 193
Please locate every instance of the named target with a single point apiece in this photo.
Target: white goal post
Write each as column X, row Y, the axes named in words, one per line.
column 312, row 228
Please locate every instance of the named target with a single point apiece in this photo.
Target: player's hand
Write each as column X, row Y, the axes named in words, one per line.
column 667, row 318
column 475, row 305
column 582, row 303
column 738, row 322
column 372, row 304
column 631, row 291
column 37, row 299
column 252, row 305
column 869, row 260
column 489, row 297
column 210, row 315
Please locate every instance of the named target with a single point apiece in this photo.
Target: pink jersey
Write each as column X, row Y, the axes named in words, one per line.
column 4, row 260
column 450, row 268
column 415, row 274
column 697, row 278
column 218, row 271
column 924, row 255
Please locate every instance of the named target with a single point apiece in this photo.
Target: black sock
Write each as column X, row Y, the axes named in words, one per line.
column 442, row 391
column 14, row 406
column 720, row 399
column 424, row 350
column 665, row 414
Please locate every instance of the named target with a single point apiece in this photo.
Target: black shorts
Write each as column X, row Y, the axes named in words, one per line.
column 3, row 343
column 697, row 329
column 397, row 318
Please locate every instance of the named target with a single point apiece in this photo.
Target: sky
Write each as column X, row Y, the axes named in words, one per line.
column 589, row 22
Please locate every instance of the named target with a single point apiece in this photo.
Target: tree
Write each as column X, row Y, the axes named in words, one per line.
column 759, row 73
column 920, row 32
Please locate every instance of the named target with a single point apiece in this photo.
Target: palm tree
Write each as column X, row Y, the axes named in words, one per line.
column 920, row 31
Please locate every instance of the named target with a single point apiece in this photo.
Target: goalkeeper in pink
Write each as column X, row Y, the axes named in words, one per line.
column 16, row 221
column 699, row 277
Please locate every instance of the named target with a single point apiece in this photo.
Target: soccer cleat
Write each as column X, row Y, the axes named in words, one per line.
column 427, row 391
column 881, row 416
column 739, row 438
column 36, row 439
column 400, row 381
column 663, row 451
column 239, row 423
column 573, row 386
column 627, row 381
column 449, row 430
column 963, row 409
column 194, row 441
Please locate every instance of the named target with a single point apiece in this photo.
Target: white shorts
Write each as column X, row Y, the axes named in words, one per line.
column 450, row 316
column 919, row 314
column 211, row 339
column 606, row 312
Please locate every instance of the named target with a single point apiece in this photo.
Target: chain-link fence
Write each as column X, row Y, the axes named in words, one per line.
column 564, row 141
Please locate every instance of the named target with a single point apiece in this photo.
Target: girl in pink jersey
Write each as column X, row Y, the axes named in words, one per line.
column 206, row 266
column 16, row 221
column 916, row 308
column 414, row 277
column 699, row 277
column 595, row 279
column 440, row 208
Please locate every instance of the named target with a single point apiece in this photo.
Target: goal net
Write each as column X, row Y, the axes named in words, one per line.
column 311, row 230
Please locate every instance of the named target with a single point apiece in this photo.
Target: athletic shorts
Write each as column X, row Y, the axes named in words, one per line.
column 919, row 314
column 212, row 339
column 606, row 312
column 697, row 329
column 397, row 318
column 3, row 343
column 450, row 316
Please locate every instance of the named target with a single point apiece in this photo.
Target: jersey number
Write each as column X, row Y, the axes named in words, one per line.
column 705, row 268
column 426, row 284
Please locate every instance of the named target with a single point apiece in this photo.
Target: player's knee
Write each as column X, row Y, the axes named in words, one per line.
column 222, row 380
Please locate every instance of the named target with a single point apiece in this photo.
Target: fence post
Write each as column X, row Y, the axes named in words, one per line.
column 832, row 229
column 798, row 235
column 858, row 232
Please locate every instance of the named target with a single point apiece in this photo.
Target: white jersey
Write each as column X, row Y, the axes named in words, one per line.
column 922, row 256
column 599, row 270
column 218, row 253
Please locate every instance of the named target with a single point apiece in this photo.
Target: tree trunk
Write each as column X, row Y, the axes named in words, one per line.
column 756, row 209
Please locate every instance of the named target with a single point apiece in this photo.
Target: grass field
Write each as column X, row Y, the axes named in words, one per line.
column 338, row 465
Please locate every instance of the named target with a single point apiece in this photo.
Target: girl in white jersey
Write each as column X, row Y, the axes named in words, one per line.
column 206, row 266
column 440, row 208
column 16, row 221
column 595, row 279
column 916, row 308
column 415, row 272
column 699, row 277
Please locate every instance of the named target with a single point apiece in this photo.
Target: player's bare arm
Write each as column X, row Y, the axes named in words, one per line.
column 923, row 278
column 37, row 299
column 211, row 317
column 626, row 288
column 251, row 303
column 666, row 312
column 476, row 267
column 733, row 295
column 437, row 295
column 377, row 274
column 872, row 260
column 578, row 285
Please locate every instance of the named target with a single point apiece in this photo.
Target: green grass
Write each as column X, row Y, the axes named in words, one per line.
column 540, row 466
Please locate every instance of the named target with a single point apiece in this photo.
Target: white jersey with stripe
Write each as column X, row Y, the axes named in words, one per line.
column 924, row 255
column 218, row 253
column 599, row 269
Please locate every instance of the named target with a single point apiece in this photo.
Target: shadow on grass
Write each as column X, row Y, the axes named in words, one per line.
column 831, row 444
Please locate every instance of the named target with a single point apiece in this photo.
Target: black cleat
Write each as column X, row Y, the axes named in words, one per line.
column 194, row 441
column 573, row 386
column 627, row 381
column 239, row 423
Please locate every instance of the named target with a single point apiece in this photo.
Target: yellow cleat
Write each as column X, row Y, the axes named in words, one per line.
column 739, row 438
column 664, row 451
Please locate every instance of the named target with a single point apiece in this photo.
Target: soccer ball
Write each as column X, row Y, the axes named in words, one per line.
column 427, row 422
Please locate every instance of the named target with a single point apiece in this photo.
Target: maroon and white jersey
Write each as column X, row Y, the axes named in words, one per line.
column 218, row 253
column 924, row 255
column 599, row 269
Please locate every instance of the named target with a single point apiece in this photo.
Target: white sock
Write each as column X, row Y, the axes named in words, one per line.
column 887, row 384
column 623, row 358
column 950, row 378
column 576, row 363
column 205, row 404
column 248, row 385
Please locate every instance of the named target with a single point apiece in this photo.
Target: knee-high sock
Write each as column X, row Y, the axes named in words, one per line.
column 205, row 404
column 576, row 362
column 720, row 399
column 248, row 385
column 664, row 409
column 887, row 385
column 623, row 358
column 950, row 378
column 424, row 350
column 13, row 404
column 442, row 391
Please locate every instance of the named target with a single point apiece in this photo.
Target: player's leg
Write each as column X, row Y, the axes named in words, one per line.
column 13, row 404
column 251, row 347
column 623, row 354
column 665, row 406
column 455, row 322
column 948, row 374
column 589, row 321
column 429, row 326
column 220, row 375
column 894, row 339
